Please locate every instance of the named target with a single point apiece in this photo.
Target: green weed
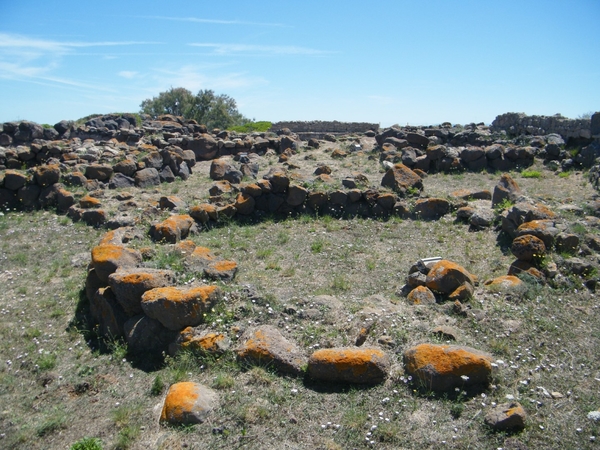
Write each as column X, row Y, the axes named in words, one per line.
column 531, row 174
column 87, row 444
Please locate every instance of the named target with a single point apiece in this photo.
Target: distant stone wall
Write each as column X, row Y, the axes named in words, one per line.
column 520, row 123
column 317, row 126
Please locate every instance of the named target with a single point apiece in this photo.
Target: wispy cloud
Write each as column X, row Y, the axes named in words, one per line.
column 15, row 42
column 31, row 59
column 266, row 50
column 195, row 78
column 216, row 21
column 129, row 74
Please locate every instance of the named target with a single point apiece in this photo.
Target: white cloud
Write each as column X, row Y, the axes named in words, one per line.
column 194, row 79
column 215, row 21
column 129, row 74
column 36, row 60
column 266, row 50
column 14, row 42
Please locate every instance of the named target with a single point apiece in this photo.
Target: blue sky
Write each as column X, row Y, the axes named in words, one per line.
column 406, row 62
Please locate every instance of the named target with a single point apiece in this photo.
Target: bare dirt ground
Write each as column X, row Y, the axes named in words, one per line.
column 59, row 383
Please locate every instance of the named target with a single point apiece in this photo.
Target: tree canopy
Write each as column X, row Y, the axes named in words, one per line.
column 214, row 111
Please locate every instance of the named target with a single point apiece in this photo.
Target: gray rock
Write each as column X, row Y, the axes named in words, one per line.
column 506, row 417
column 119, row 181
column 146, row 178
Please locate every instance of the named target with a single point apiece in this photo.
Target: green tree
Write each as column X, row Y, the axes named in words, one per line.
column 176, row 101
column 214, row 111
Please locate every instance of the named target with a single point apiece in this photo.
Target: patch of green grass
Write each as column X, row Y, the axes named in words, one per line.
column 165, row 258
column 250, row 127
column 273, row 266
column 531, row 174
column 87, row 444
column 318, row 245
column 158, row 386
column 578, row 228
column 261, row 376
column 46, row 361
column 223, row 381
column 118, row 348
column 504, row 204
column 264, row 253
column 564, row 174
column 19, row 258
column 55, row 420
column 283, row 237
column 126, row 418
column 340, row 284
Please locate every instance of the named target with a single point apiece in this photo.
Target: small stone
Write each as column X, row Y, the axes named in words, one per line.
column 509, row 416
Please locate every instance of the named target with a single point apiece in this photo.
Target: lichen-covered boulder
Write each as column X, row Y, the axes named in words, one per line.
column 107, row 258
column 87, row 202
column 401, row 179
column 188, row 403
column 542, row 229
column 505, row 282
column 129, row 284
column 244, row 204
column 506, row 190
column 224, row 270
column 177, row 308
column 204, row 212
column 446, row 277
column 421, row 295
column 431, row 208
column 46, row 175
column 173, row 229
column 444, row 367
column 349, row 365
column 265, row 346
column 209, row 343
column 528, row 247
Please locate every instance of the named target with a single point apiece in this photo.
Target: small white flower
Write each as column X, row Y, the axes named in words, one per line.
column 464, row 377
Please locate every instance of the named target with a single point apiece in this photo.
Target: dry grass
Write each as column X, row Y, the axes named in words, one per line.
column 58, row 384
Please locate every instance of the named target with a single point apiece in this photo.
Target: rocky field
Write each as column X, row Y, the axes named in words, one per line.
column 168, row 287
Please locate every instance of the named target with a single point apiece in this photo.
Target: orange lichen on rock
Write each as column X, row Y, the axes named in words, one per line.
column 421, row 295
column 176, row 294
column 447, row 276
column 506, row 417
column 107, row 258
column 178, row 308
column 503, row 282
column 88, row 201
column 111, row 237
column 204, row 212
column 528, row 247
column 186, row 247
column 266, row 346
column 221, row 270
column 225, row 265
column 187, row 403
column 443, row 367
column 172, row 229
column 351, row 365
column 209, row 343
column 203, row 253
column 130, row 284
